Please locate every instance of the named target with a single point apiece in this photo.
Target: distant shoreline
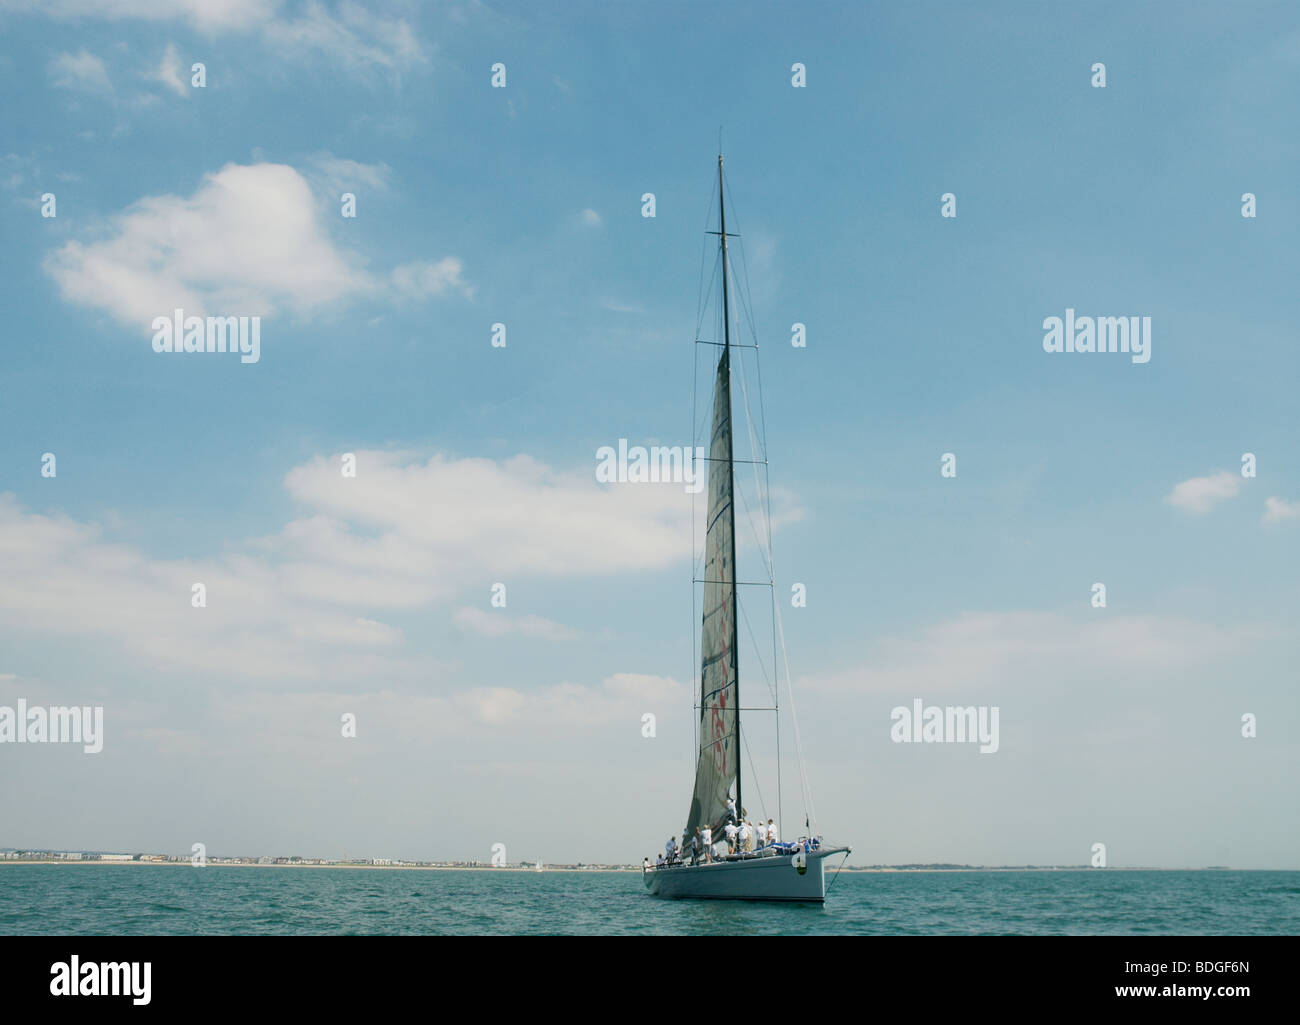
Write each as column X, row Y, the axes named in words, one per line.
column 887, row 869
column 380, row 868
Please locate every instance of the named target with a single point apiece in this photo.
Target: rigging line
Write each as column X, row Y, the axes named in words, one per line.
column 758, row 655
column 765, row 513
column 697, row 433
column 746, row 292
column 759, row 490
column 762, row 492
column 758, row 541
column 837, row 873
column 698, row 423
column 753, row 774
column 764, row 506
column 744, row 387
column 765, row 499
column 809, row 809
column 747, row 300
column 747, row 297
column 704, row 249
column 760, row 453
column 699, row 437
column 776, row 703
column 747, row 304
column 695, row 720
column 806, row 794
column 699, row 316
column 758, row 369
column 697, row 429
column 695, row 387
column 699, row 560
column 695, row 384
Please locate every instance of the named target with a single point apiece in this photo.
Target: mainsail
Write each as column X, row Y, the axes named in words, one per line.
column 719, row 739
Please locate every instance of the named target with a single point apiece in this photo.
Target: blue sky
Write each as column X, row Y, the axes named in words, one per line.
column 522, row 205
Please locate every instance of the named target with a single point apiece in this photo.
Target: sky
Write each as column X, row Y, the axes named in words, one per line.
column 522, row 205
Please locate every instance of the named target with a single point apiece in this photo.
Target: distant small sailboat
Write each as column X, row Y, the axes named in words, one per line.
column 776, row 871
column 539, row 867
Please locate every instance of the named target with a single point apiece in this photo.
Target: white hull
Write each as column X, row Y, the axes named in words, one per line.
column 773, row 877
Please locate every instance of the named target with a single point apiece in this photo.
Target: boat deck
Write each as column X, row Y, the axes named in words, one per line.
column 771, row 851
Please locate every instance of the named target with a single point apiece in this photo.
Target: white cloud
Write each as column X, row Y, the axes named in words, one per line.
column 171, row 72
column 208, row 15
column 309, row 602
column 250, row 241
column 498, row 624
column 81, row 70
column 615, row 307
column 591, row 218
column 347, row 33
column 1030, row 651
column 1199, row 494
column 460, row 516
column 63, row 578
column 622, row 696
column 337, row 175
column 18, row 171
column 420, row 280
column 353, row 35
column 1276, row 510
column 558, row 716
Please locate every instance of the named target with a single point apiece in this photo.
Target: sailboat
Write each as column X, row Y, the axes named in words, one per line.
column 771, row 871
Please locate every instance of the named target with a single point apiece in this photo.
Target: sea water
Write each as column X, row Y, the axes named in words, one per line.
column 182, row 900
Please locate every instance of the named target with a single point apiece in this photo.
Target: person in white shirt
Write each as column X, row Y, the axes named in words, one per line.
column 746, row 837
column 731, row 832
column 659, row 861
column 670, row 849
column 706, row 835
column 731, row 809
column 645, row 863
column 771, row 832
column 761, row 829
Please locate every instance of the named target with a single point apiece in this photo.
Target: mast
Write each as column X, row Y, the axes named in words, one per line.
column 731, row 475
